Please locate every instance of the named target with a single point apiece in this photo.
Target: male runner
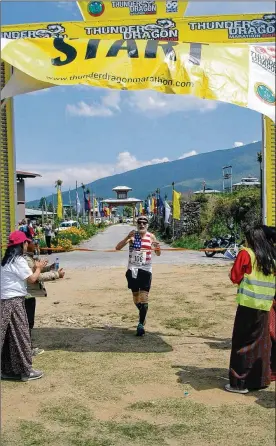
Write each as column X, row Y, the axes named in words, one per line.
column 139, row 273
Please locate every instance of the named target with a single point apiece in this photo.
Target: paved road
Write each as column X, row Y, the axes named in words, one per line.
column 108, row 240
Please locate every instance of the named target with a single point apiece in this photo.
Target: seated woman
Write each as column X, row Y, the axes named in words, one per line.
column 37, row 289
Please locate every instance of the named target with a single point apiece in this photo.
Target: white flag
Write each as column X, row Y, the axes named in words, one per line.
column 78, row 205
column 261, row 88
column 168, row 212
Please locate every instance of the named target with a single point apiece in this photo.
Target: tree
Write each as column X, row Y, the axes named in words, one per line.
column 127, row 211
column 260, row 161
column 50, row 207
column 42, row 203
column 58, row 183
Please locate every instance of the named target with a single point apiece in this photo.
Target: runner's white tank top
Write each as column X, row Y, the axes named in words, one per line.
column 141, row 258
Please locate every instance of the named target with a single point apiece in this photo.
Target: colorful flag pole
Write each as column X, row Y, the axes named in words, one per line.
column 168, row 212
column 176, row 207
column 78, row 205
column 46, row 210
column 172, row 216
column 84, row 203
column 70, row 203
column 59, row 203
column 94, row 210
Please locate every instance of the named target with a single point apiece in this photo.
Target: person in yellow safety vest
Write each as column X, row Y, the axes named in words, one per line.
column 254, row 273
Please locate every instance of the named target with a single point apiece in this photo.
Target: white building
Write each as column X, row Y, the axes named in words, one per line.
column 247, row 182
column 208, row 190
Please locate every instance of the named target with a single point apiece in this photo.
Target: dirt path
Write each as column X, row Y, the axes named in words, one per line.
column 105, row 387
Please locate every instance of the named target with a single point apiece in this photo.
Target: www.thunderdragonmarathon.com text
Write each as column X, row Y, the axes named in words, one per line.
column 124, row 80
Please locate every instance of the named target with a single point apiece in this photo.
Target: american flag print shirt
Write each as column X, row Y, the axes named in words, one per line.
column 140, row 255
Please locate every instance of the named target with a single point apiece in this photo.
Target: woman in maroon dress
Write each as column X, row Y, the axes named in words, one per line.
column 270, row 233
column 253, row 269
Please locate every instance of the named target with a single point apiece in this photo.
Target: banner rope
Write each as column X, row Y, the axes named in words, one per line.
column 124, row 250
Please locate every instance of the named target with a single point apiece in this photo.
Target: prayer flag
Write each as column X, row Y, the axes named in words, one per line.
column 168, row 212
column 59, row 205
column 176, row 205
column 78, row 205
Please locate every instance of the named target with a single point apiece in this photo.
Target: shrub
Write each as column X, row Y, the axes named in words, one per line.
column 73, row 234
column 42, row 243
column 89, row 230
column 188, row 242
column 65, row 245
column 241, row 208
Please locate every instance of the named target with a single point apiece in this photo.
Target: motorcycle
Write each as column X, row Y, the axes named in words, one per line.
column 229, row 242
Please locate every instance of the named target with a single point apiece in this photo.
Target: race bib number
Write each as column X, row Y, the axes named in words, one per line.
column 138, row 258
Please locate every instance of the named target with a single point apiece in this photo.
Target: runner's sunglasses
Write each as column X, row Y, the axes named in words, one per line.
column 142, row 222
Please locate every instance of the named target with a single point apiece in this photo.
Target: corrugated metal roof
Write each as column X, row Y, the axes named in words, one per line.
column 21, row 173
column 35, row 212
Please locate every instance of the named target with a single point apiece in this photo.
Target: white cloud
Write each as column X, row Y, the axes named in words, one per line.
column 83, row 109
column 154, row 103
column 188, row 154
column 150, row 103
column 112, row 99
column 69, row 6
column 39, row 92
column 126, row 161
column 106, row 107
column 85, row 173
column 238, row 144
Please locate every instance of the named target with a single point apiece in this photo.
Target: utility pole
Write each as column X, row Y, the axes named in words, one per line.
column 70, row 203
column 227, row 178
column 83, row 209
column 93, row 198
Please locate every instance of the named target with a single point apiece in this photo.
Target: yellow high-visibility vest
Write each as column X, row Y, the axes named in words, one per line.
column 256, row 290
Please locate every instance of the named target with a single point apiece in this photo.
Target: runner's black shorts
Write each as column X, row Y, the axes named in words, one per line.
column 141, row 283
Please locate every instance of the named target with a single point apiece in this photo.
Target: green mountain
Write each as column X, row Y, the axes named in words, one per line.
column 188, row 174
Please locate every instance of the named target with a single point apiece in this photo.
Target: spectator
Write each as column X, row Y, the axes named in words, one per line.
column 48, row 230
column 16, row 354
column 37, row 289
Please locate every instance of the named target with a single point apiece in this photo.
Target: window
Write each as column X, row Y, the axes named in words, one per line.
column 122, row 195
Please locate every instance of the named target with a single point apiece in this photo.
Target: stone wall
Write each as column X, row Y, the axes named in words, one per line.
column 189, row 222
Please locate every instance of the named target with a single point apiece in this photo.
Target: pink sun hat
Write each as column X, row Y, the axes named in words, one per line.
column 17, row 237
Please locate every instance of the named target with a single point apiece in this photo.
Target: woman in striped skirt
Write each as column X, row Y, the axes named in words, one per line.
column 16, row 353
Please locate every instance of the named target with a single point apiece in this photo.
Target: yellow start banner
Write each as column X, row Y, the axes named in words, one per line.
column 113, row 10
column 241, row 74
column 249, row 28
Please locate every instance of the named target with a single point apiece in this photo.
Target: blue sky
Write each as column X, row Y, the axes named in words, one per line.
column 81, row 133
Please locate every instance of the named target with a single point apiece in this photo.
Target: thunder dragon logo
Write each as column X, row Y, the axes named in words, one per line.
column 96, row 8
column 160, row 24
column 53, row 31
